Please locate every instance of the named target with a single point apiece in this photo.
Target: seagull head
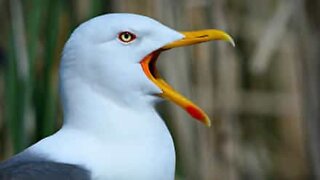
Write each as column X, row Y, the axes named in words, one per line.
column 116, row 55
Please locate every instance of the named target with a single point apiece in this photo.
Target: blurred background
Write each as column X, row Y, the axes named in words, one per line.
column 262, row 96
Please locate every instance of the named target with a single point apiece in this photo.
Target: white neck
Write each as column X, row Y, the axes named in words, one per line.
column 87, row 109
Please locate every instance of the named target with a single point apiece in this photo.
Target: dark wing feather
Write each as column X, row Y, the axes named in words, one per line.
column 43, row 170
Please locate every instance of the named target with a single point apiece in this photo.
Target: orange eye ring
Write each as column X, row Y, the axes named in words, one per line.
column 126, row 37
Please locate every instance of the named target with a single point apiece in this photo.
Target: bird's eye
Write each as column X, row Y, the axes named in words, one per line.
column 127, row 37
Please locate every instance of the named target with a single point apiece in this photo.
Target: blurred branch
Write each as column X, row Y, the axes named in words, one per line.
column 271, row 37
column 227, row 88
column 17, row 125
column 260, row 103
column 19, row 39
column 309, row 45
column 46, row 119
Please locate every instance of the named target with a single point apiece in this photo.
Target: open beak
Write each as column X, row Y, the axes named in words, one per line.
column 149, row 67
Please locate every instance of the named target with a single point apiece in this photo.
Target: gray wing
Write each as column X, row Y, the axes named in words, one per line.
column 26, row 168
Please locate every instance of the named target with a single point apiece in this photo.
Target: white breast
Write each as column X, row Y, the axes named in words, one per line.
column 145, row 154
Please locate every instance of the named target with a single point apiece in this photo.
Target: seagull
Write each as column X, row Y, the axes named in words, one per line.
column 109, row 85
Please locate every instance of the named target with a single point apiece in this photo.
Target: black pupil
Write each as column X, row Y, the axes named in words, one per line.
column 126, row 35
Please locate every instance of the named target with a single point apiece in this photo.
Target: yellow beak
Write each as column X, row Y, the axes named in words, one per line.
column 148, row 65
column 195, row 37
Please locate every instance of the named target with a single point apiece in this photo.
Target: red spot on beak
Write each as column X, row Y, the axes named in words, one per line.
column 194, row 112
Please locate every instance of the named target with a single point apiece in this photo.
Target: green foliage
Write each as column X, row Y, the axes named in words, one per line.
column 32, row 97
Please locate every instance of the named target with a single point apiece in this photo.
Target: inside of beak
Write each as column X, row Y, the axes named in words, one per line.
column 149, row 67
